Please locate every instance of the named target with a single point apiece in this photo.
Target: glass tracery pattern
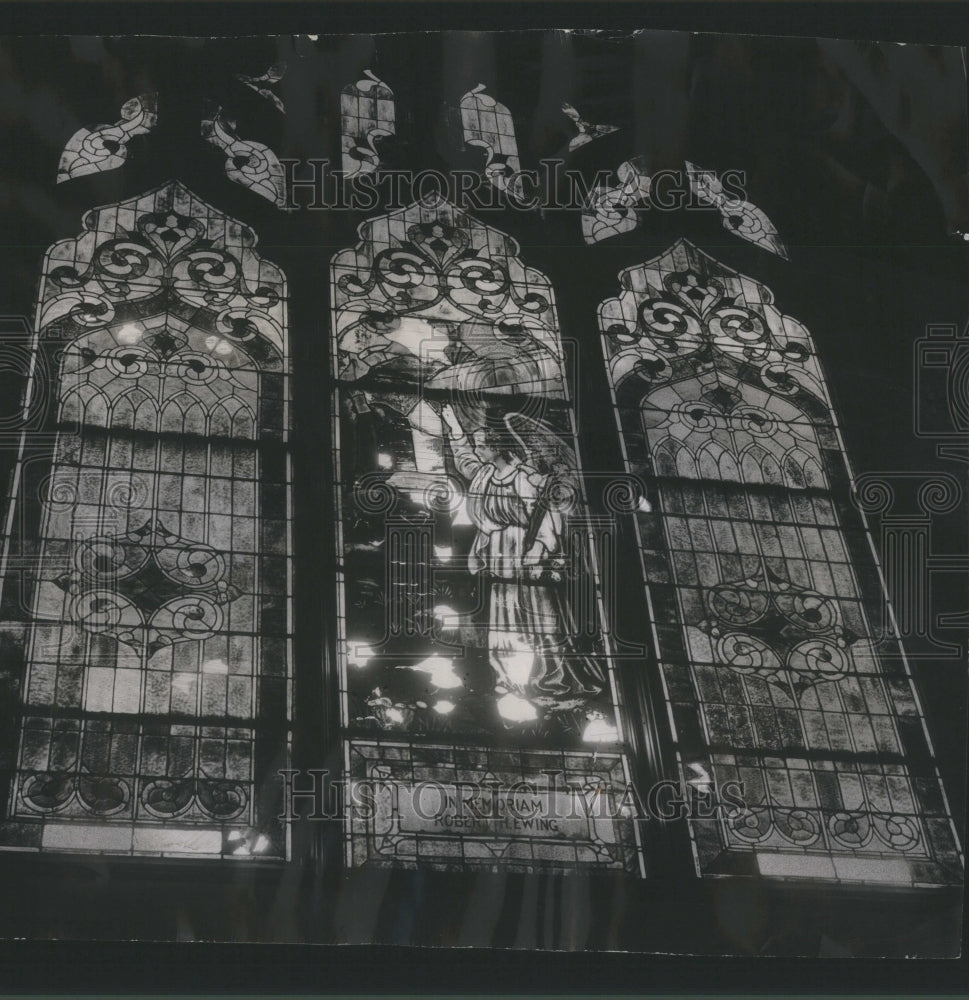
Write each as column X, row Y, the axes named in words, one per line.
column 156, row 686
column 367, row 114
column 488, row 125
column 247, row 162
column 471, row 638
column 743, row 218
column 764, row 589
column 105, row 147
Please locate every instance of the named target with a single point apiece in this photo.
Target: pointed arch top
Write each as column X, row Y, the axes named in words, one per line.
column 436, row 260
column 684, row 312
column 166, row 250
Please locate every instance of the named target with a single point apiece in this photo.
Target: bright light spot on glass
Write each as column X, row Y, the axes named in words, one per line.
column 358, row 654
column 700, row 778
column 443, row 707
column 644, row 505
column 234, row 835
column 261, row 844
column 419, row 337
column 447, row 616
column 439, row 669
column 518, row 662
column 460, row 516
column 443, row 552
column 515, row 709
column 599, row 730
column 394, row 714
column 183, row 681
column 129, row 334
column 385, row 461
column 215, row 667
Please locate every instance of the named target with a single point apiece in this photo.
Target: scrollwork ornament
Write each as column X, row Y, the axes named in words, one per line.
column 222, row 800
column 195, row 617
column 103, row 795
column 901, row 833
column 747, row 654
column 752, row 824
column 167, row 798
column 47, row 791
column 797, row 826
column 851, row 829
column 818, row 657
column 737, row 605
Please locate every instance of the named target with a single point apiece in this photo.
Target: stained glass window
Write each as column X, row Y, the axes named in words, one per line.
column 247, row 162
column 765, row 591
column 488, row 124
column 473, row 647
column 367, row 114
column 156, row 686
column 105, row 147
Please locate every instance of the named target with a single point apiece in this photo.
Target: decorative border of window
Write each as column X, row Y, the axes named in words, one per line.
column 367, row 114
column 742, row 218
column 436, row 320
column 105, row 147
column 146, row 572
column 764, row 589
column 611, row 211
column 247, row 162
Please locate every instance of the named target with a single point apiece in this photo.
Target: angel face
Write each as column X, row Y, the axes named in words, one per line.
column 493, row 444
column 483, row 446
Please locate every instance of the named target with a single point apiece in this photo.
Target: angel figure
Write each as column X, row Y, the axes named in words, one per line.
column 518, row 473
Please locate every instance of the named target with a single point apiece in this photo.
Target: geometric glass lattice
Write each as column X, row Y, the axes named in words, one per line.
column 764, row 590
column 155, row 687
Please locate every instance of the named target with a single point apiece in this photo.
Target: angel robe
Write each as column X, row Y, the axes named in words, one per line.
column 529, row 622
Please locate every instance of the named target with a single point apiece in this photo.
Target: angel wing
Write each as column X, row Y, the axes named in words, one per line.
column 548, row 454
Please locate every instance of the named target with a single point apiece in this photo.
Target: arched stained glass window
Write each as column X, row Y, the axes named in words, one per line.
column 475, row 658
column 765, row 591
column 155, row 688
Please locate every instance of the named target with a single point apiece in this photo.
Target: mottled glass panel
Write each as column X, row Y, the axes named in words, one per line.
column 163, row 561
column 471, row 612
column 782, row 687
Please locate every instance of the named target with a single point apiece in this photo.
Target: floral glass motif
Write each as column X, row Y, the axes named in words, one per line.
column 488, row 124
column 587, row 132
column 763, row 586
column 469, row 562
column 252, row 164
column 105, row 147
column 612, row 210
column 367, row 114
column 741, row 217
column 158, row 651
